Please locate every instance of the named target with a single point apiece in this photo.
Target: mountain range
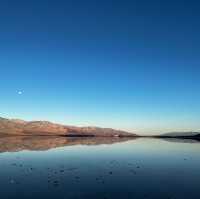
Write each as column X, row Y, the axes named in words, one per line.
column 172, row 134
column 15, row 127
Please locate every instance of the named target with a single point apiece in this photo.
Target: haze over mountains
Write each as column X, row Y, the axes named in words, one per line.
column 21, row 127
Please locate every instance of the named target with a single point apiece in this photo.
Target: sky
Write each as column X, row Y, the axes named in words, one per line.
column 130, row 65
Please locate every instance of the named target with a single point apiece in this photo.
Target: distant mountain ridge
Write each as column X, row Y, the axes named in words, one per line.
column 191, row 133
column 21, row 127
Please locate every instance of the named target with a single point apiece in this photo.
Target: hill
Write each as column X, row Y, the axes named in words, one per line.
column 13, row 127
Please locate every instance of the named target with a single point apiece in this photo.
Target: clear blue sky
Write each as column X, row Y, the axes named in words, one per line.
column 132, row 65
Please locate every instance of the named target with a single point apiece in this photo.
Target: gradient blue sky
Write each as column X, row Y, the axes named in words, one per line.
column 132, row 65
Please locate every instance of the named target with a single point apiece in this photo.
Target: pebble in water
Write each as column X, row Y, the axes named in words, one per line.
column 55, row 183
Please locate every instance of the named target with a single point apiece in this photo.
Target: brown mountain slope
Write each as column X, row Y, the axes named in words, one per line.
column 20, row 127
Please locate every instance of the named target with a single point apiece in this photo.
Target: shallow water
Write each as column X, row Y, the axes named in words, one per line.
column 98, row 168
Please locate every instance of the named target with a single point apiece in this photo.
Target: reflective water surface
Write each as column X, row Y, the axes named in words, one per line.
column 98, row 168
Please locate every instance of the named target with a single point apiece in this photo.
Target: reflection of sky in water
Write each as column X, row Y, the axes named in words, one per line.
column 142, row 168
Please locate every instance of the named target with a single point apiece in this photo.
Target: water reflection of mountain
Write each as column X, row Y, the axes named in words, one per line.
column 181, row 140
column 40, row 143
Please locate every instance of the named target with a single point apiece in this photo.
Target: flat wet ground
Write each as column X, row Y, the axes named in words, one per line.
column 98, row 168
